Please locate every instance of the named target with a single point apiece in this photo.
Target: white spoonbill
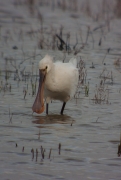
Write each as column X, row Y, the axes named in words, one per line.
column 57, row 81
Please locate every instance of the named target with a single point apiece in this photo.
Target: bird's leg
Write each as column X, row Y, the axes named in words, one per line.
column 47, row 105
column 63, row 108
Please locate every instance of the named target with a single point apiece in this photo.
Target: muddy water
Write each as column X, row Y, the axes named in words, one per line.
column 88, row 132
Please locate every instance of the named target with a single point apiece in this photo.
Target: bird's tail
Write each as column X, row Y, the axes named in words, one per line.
column 73, row 61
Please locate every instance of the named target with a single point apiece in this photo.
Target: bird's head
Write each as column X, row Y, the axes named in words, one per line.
column 45, row 66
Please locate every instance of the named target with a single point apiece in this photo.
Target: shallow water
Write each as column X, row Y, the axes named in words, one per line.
column 89, row 133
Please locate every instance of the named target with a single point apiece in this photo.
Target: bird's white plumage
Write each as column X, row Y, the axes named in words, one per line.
column 61, row 79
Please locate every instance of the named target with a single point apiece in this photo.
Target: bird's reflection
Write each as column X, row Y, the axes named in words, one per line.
column 53, row 119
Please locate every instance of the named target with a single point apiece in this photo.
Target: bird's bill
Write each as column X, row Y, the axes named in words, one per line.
column 38, row 105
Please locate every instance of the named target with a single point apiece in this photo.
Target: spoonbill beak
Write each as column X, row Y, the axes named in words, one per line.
column 38, row 105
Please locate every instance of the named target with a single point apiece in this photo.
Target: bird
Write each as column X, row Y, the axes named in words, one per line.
column 57, row 81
